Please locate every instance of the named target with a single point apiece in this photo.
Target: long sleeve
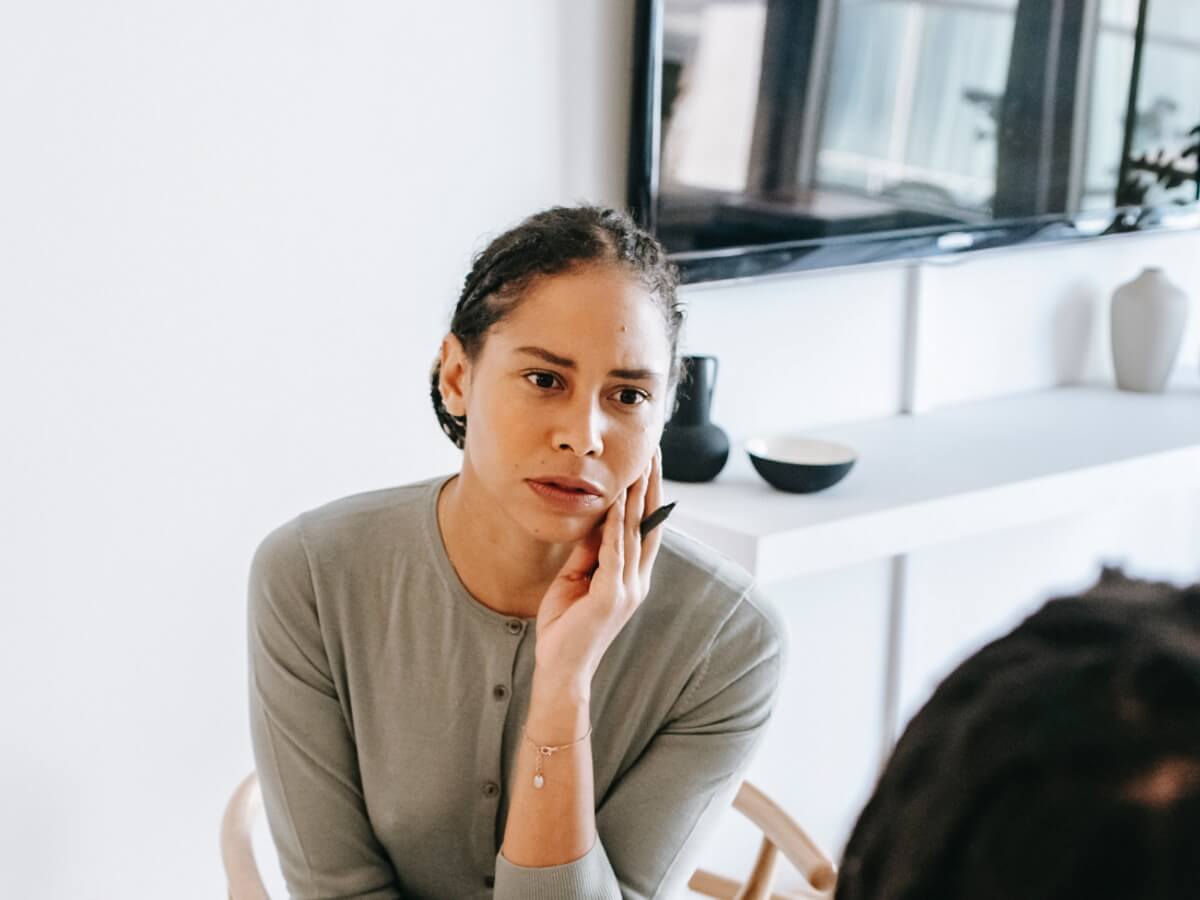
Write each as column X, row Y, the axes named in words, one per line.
column 303, row 750
column 655, row 819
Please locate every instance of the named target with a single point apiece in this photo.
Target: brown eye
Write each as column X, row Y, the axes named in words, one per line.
column 642, row 394
column 546, row 375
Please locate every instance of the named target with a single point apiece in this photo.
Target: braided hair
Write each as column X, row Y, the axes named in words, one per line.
column 1060, row 761
column 551, row 242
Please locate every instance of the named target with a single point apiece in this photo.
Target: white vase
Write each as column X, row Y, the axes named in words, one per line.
column 1148, row 316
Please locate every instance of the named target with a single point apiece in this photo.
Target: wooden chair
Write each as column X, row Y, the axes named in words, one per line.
column 780, row 833
column 237, row 848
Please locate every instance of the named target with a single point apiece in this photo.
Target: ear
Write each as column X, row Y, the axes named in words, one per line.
column 454, row 380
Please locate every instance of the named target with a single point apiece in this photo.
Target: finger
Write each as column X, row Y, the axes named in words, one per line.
column 649, row 548
column 633, row 530
column 654, row 491
column 653, row 501
column 612, row 548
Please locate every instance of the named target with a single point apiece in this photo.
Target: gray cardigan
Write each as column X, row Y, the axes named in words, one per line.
column 386, row 706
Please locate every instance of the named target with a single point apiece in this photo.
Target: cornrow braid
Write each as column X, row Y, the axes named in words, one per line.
column 551, row 242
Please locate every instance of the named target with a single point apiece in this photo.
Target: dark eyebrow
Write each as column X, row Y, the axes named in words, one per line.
column 562, row 361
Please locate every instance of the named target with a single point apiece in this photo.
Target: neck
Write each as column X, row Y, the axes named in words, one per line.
column 499, row 564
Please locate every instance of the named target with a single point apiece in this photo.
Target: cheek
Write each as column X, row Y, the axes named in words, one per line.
column 645, row 452
column 493, row 422
column 636, row 449
column 648, row 436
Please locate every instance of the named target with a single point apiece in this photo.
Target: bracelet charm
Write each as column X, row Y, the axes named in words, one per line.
column 543, row 752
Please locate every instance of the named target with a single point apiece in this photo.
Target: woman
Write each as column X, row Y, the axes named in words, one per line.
column 471, row 686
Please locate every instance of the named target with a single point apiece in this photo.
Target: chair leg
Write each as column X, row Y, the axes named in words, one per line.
column 762, row 876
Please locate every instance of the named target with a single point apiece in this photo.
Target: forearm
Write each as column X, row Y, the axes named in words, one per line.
column 555, row 824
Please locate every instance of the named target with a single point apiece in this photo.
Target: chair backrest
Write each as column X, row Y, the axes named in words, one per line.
column 780, row 833
column 237, row 846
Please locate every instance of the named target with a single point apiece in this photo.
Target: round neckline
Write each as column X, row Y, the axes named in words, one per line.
column 437, row 546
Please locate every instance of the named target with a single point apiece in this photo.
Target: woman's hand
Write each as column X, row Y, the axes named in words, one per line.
column 600, row 586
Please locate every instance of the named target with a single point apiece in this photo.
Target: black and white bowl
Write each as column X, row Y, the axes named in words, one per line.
column 800, row 465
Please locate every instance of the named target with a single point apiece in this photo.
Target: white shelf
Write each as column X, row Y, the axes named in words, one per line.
column 951, row 473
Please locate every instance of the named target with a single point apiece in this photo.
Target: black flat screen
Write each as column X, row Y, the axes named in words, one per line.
column 772, row 135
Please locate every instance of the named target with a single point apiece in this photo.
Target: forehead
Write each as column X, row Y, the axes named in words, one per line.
column 589, row 313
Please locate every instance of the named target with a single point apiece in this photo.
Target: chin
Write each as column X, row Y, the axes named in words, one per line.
column 559, row 528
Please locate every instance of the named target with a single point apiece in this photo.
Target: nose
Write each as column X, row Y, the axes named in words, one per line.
column 580, row 428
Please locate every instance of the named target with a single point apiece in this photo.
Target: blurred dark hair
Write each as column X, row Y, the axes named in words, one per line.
column 556, row 240
column 1060, row 761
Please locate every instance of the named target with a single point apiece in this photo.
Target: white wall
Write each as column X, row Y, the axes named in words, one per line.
column 231, row 235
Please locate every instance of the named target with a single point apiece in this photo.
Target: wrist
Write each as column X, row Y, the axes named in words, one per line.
column 562, row 688
column 559, row 710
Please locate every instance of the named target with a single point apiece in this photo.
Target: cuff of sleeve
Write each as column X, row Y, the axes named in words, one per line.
column 591, row 877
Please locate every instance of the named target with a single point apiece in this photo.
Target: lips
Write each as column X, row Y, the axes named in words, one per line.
column 578, row 485
column 570, row 500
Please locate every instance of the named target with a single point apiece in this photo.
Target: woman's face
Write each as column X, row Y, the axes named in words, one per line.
column 546, row 398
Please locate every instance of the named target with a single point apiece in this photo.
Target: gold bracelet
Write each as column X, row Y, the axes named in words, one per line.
column 543, row 752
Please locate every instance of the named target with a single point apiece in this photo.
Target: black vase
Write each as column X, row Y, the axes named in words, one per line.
column 693, row 448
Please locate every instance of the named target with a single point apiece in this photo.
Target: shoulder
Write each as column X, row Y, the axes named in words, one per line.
column 714, row 600
column 348, row 528
column 712, row 634
column 347, row 525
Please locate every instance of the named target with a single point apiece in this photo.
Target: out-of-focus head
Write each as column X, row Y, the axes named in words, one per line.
column 1060, row 762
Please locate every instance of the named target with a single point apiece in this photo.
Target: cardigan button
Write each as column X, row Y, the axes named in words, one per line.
column 515, row 627
column 491, row 789
column 499, row 692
